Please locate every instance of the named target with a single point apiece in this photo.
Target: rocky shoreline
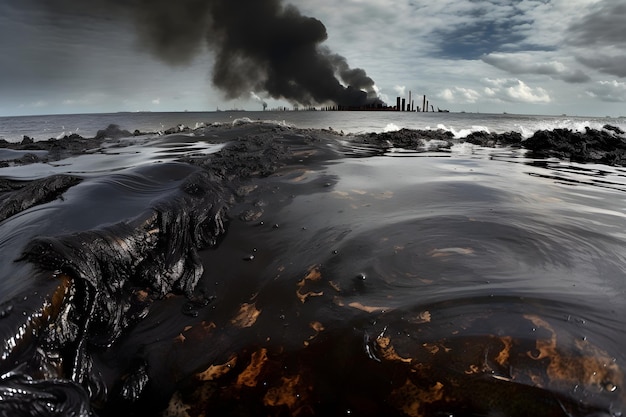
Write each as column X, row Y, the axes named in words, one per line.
column 606, row 146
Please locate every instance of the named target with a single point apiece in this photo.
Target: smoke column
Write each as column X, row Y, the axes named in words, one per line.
column 259, row 45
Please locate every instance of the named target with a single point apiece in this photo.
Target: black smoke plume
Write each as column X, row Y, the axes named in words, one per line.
column 259, row 45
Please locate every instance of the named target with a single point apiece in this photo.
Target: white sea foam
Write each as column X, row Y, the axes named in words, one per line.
column 247, row 120
column 391, row 127
column 461, row 133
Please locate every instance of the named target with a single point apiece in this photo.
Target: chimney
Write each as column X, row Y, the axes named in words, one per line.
column 424, row 104
column 409, row 102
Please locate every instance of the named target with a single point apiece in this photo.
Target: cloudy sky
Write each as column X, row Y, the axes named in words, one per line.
column 523, row 56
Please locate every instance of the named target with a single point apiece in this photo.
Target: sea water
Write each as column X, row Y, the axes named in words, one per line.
column 459, row 236
column 461, row 124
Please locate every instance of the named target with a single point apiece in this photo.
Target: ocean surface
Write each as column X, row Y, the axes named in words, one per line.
column 440, row 281
column 461, row 124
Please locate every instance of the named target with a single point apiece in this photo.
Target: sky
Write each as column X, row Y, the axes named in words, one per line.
column 526, row 57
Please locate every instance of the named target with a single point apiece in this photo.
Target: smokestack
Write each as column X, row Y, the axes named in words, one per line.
column 258, row 45
column 398, row 103
column 409, row 102
column 403, row 104
column 426, row 105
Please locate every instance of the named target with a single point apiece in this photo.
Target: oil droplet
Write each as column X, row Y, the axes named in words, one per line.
column 361, row 277
column 6, row 311
column 609, row 386
column 248, row 257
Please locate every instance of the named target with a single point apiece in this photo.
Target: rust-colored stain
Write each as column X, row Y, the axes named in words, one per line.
column 433, row 349
column 216, row 371
column 317, row 327
column 291, row 393
column 312, row 275
column 590, row 366
column 368, row 309
column 249, row 376
column 410, row 398
column 142, row 296
column 247, row 316
column 387, row 350
column 445, row 252
column 554, row 373
column 505, row 353
column 55, row 306
column 422, row 317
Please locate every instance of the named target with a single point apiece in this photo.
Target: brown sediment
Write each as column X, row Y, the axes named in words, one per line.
column 249, row 376
column 217, row 371
column 247, row 316
column 585, row 364
column 411, row 398
column 312, row 275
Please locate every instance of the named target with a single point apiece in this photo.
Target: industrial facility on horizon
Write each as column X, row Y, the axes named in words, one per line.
column 402, row 104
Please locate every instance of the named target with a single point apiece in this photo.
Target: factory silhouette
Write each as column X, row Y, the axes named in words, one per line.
column 402, row 104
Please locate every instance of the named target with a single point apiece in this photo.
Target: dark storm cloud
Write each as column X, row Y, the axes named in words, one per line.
column 32, row 54
column 612, row 65
column 476, row 39
column 604, row 26
column 259, row 45
column 600, row 34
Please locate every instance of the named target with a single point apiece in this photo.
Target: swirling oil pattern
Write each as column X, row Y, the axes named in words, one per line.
column 300, row 272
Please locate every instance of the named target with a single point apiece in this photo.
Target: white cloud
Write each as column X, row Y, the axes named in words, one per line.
column 490, row 92
column 525, row 94
column 400, row 89
column 459, row 95
column 499, row 90
column 156, row 101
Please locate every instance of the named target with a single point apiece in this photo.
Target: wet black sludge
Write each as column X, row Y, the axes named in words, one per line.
column 404, row 295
